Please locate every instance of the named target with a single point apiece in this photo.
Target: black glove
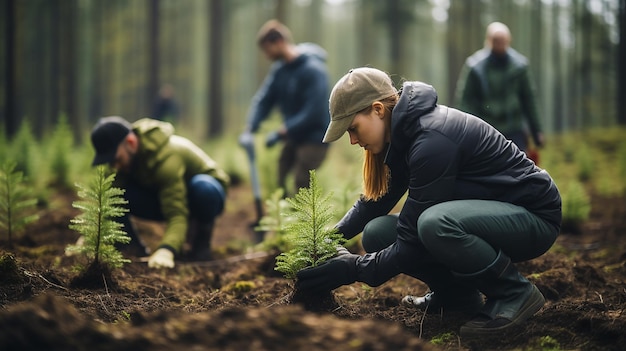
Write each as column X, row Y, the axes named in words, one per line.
column 272, row 138
column 337, row 271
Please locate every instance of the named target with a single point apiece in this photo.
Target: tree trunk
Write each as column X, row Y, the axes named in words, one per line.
column 315, row 20
column 281, row 11
column 97, row 83
column 10, row 118
column 465, row 35
column 556, row 63
column 153, row 50
column 365, row 34
column 395, row 27
column 587, row 29
column 54, row 89
column 68, row 67
column 621, row 66
column 216, row 124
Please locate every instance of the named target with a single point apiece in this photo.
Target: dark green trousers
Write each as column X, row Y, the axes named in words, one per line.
column 466, row 235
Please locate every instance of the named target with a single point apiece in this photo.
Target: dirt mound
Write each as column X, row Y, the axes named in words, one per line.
column 52, row 323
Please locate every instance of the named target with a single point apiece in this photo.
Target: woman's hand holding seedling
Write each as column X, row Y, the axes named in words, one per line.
column 337, row 271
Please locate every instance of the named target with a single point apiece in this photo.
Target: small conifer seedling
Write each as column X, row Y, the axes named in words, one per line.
column 312, row 240
column 61, row 148
column 100, row 203
column 277, row 217
column 16, row 206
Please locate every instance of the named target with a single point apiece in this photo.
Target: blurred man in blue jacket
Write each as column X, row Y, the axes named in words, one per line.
column 298, row 84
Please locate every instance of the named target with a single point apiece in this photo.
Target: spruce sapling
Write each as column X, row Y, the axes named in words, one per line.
column 15, row 203
column 25, row 146
column 61, row 148
column 277, row 217
column 100, row 203
column 312, row 240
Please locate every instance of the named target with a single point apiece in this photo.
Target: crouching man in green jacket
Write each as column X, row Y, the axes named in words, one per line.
column 165, row 177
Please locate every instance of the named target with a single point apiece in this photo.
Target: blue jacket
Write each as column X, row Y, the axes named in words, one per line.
column 441, row 154
column 300, row 90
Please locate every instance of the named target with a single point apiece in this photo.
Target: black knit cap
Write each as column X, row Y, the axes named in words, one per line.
column 106, row 136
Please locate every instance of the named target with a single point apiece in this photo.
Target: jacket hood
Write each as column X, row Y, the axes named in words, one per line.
column 153, row 134
column 310, row 50
column 416, row 100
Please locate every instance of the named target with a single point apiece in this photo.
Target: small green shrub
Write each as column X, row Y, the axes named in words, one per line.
column 313, row 242
column 576, row 204
column 584, row 161
column 61, row 152
column 100, row 203
column 24, row 150
column 544, row 343
column 274, row 222
column 607, row 184
column 444, row 339
column 16, row 204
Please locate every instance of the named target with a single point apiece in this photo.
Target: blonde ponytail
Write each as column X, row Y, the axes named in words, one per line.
column 375, row 172
column 375, row 176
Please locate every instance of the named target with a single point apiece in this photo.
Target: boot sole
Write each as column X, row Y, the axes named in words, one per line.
column 529, row 308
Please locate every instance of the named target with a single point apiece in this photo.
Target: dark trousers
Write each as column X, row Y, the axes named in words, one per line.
column 466, row 235
column 299, row 159
column 205, row 201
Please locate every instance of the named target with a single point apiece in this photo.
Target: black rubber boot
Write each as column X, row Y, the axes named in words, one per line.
column 447, row 293
column 511, row 299
column 199, row 238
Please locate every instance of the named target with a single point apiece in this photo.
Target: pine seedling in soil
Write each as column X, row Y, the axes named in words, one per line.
column 25, row 147
column 312, row 240
column 274, row 222
column 99, row 203
column 61, row 148
column 576, row 207
column 16, row 205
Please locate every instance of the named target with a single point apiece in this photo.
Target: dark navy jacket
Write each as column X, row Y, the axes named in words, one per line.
column 440, row 154
column 300, row 90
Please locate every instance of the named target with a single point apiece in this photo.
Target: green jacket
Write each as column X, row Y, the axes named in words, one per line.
column 167, row 162
column 501, row 93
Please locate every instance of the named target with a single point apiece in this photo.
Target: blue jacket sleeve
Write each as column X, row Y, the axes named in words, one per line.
column 263, row 101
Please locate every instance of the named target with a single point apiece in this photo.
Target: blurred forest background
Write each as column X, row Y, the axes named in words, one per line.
column 84, row 59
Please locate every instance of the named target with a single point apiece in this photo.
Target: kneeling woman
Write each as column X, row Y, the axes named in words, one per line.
column 475, row 204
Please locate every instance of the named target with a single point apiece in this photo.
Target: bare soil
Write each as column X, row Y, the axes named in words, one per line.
column 240, row 303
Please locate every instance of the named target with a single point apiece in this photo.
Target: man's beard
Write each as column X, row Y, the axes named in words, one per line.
column 132, row 161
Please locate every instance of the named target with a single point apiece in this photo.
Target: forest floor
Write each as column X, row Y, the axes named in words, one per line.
column 233, row 303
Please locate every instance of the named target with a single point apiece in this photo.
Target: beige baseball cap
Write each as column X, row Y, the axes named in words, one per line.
column 354, row 92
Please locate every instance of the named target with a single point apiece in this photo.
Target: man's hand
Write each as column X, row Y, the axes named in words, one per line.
column 337, row 271
column 161, row 258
